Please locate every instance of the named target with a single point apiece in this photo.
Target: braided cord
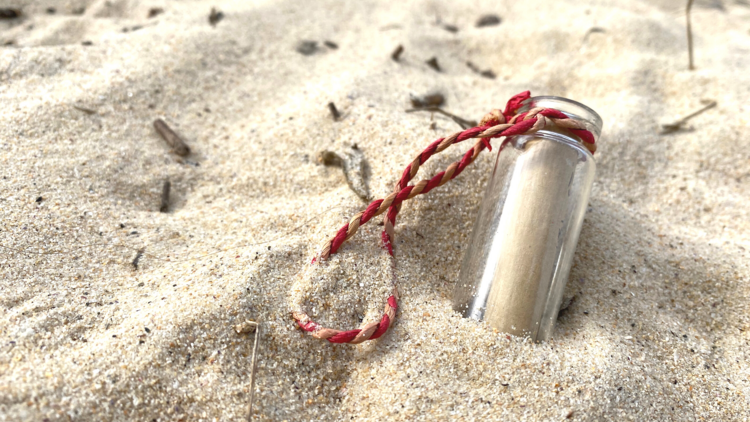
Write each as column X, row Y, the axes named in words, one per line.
column 495, row 124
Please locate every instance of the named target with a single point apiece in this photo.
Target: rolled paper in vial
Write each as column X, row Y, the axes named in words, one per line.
column 528, row 236
column 521, row 249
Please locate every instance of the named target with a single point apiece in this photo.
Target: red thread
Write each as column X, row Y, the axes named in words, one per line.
column 586, row 136
column 387, row 243
column 555, row 114
column 344, row 336
column 339, row 239
column 515, row 103
column 382, row 327
column 521, row 124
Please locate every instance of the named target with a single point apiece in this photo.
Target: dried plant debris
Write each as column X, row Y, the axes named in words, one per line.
column 330, row 44
column 464, row 123
column 307, row 47
column 677, row 125
column 166, row 187
column 355, row 167
column 434, row 99
column 450, row 28
column 250, row 327
column 488, row 20
column 396, row 55
column 246, row 327
column 84, row 109
column 155, row 11
column 137, row 258
column 334, row 111
column 489, row 74
column 433, row 63
column 689, row 30
column 178, row 145
column 215, row 17
column 8, row 13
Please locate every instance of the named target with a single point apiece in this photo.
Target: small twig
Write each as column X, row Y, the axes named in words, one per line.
column 334, row 111
column 165, row 196
column 673, row 127
column 689, row 33
column 215, row 16
column 177, row 144
column 465, row 124
column 433, row 63
column 489, row 74
column 434, row 99
column 396, row 55
column 253, row 367
column 354, row 165
column 84, row 109
column 138, row 258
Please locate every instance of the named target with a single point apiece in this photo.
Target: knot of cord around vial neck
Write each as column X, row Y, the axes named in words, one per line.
column 547, row 117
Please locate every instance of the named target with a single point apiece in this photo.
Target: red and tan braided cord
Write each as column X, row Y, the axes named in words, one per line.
column 495, row 124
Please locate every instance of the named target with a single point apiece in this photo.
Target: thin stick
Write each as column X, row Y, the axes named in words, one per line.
column 84, row 109
column 138, row 258
column 396, row 55
column 165, row 196
column 689, row 33
column 672, row 127
column 334, row 111
column 465, row 124
column 177, row 144
column 254, row 364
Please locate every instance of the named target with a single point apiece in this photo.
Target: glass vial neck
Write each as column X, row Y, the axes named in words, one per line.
column 570, row 108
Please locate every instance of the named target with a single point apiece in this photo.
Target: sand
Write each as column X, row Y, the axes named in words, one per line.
column 660, row 323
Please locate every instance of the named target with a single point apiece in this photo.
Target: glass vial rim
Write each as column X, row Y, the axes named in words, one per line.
column 570, row 108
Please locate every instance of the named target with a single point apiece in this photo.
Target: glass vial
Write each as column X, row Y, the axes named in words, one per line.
column 521, row 249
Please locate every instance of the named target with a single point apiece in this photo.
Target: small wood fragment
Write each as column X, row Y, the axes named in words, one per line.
column 178, row 145
column 8, row 13
column 166, row 187
column 253, row 367
column 307, row 47
column 396, row 55
column 155, row 11
column 138, row 258
column 435, row 99
column 450, row 28
column 489, row 74
column 689, row 34
column 215, row 16
column 677, row 125
column 246, row 327
column 84, row 109
column 334, row 111
column 433, row 63
column 488, row 20
column 354, row 165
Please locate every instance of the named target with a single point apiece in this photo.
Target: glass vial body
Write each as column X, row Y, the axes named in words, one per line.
column 521, row 249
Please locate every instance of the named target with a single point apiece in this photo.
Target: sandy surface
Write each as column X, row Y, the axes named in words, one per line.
column 660, row 325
